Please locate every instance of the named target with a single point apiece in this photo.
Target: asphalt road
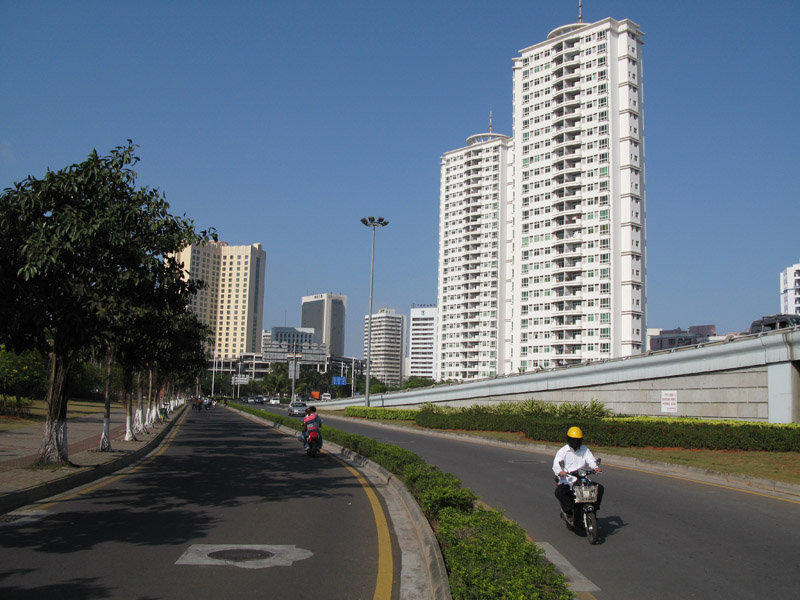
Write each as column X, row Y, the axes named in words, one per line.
column 662, row 538
column 229, row 509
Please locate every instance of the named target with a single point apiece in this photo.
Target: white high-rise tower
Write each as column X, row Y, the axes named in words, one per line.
column 474, row 195
column 542, row 238
column 578, row 232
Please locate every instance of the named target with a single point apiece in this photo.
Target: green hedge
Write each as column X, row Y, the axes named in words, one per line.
column 486, row 556
column 383, row 414
column 629, row 431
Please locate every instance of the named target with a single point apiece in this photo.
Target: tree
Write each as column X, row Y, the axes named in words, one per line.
column 21, row 374
column 74, row 244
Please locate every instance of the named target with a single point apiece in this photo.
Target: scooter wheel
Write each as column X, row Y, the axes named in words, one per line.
column 591, row 527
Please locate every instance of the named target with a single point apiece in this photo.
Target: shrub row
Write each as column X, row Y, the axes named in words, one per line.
column 629, row 431
column 486, row 555
column 384, row 414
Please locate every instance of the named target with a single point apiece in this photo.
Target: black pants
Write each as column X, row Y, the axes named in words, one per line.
column 567, row 500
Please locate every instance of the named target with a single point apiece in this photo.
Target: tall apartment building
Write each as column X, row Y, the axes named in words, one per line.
column 232, row 301
column 561, row 254
column 790, row 290
column 475, row 195
column 388, row 348
column 578, row 225
column 422, row 341
column 326, row 314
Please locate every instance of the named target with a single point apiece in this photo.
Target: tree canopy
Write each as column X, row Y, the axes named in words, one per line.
column 87, row 256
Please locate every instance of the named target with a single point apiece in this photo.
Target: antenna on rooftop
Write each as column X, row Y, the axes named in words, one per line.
column 491, row 129
column 580, row 11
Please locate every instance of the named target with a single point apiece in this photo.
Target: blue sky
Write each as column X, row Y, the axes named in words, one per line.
column 285, row 122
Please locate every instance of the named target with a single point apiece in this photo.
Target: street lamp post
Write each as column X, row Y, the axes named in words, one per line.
column 373, row 223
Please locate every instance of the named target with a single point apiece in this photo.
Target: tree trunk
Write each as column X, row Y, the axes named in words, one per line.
column 138, row 421
column 54, row 449
column 105, row 437
column 129, row 435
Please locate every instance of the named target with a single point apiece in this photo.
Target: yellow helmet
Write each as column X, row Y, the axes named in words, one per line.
column 575, row 432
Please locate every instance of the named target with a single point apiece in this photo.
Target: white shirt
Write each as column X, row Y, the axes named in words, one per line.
column 581, row 458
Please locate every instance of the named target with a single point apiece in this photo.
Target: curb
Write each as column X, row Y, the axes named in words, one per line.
column 15, row 500
column 439, row 582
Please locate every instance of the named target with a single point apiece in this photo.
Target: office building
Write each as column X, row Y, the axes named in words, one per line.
column 388, row 348
column 551, row 272
column 231, row 303
column 326, row 313
column 790, row 290
column 422, row 341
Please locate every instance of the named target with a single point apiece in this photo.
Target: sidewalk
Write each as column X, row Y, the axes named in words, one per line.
column 20, row 485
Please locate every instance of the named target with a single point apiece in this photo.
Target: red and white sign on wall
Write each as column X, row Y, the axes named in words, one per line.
column 669, row 401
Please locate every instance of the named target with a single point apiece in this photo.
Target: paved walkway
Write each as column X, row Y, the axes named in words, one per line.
column 21, row 485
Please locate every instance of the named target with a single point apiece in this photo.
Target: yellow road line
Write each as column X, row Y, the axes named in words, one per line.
column 383, row 583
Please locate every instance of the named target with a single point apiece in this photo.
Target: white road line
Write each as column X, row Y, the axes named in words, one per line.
column 577, row 582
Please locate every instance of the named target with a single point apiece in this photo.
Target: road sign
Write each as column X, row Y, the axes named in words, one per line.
column 338, row 380
column 240, row 380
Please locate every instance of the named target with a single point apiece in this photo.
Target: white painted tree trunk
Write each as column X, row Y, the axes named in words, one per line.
column 129, row 435
column 105, row 438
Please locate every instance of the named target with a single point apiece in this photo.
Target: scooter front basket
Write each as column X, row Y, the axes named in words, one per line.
column 585, row 493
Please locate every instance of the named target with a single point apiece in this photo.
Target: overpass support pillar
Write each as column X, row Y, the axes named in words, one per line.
column 783, row 380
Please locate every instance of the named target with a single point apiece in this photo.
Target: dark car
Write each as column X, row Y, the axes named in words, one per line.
column 297, row 409
column 773, row 322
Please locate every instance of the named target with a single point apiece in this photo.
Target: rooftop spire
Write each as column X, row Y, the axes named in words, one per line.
column 491, row 129
column 580, row 11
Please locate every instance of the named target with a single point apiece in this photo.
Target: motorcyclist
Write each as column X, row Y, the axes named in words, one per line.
column 575, row 456
column 311, row 422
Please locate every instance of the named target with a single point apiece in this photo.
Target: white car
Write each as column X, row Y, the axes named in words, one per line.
column 275, row 401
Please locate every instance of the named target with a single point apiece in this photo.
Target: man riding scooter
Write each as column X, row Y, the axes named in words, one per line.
column 570, row 458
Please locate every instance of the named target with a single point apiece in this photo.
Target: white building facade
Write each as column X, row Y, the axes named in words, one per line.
column 475, row 193
column 422, row 341
column 542, row 259
column 388, row 348
column 790, row 290
column 232, row 301
column 578, row 221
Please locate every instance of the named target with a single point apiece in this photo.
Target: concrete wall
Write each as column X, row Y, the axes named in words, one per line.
column 753, row 378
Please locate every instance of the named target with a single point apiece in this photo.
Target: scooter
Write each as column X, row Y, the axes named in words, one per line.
column 314, row 442
column 584, row 515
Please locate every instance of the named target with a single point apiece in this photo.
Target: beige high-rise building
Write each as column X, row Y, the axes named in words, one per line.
column 232, row 301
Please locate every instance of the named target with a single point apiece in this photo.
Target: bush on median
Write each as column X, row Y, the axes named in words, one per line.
column 657, row 432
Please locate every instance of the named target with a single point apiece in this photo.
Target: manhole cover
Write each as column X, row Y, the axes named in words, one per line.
column 241, row 554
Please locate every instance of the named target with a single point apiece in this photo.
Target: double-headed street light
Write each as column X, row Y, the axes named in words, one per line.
column 374, row 224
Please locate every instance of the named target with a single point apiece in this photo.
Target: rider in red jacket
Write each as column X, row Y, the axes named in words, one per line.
column 312, row 422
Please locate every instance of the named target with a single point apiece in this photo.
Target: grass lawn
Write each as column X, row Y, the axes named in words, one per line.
column 37, row 411
column 778, row 466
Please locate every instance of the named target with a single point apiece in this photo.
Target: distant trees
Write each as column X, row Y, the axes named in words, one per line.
column 89, row 269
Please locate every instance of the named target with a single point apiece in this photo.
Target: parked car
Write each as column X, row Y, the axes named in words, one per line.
column 773, row 322
column 297, row 409
column 275, row 401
